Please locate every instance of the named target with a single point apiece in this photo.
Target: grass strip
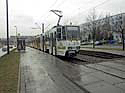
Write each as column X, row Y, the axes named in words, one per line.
column 9, row 67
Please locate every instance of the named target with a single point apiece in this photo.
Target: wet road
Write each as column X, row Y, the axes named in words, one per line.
column 3, row 53
column 43, row 73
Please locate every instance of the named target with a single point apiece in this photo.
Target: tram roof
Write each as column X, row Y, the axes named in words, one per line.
column 64, row 25
column 59, row 26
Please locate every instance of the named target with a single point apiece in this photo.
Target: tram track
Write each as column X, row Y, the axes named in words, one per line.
column 112, row 67
column 82, row 88
column 106, row 72
column 87, row 64
column 103, row 55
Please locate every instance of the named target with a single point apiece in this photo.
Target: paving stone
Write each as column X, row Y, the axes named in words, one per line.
column 41, row 74
column 44, row 73
column 108, row 70
column 87, row 79
column 107, row 78
column 121, row 85
column 120, row 61
column 85, row 69
column 102, row 87
column 114, row 65
column 31, row 90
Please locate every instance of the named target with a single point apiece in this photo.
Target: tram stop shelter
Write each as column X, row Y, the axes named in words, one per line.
column 21, row 44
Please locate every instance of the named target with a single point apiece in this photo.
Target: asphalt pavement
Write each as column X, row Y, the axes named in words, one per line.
column 44, row 73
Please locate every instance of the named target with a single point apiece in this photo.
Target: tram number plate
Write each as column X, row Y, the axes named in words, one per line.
column 71, row 51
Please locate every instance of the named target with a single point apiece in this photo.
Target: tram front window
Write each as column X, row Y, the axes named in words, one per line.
column 73, row 33
column 58, row 33
column 63, row 33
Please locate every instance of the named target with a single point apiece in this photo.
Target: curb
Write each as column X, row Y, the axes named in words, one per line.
column 6, row 53
column 3, row 55
column 19, row 79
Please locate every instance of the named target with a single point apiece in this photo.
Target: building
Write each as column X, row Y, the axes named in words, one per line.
column 108, row 28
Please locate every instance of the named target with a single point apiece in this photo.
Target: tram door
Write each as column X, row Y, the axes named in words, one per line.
column 43, row 43
column 51, row 38
column 55, row 44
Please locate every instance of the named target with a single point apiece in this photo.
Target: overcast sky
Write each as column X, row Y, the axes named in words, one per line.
column 24, row 13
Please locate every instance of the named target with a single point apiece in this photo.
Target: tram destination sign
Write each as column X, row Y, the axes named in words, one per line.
column 72, row 28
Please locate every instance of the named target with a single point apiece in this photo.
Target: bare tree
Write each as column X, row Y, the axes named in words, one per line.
column 121, row 26
column 106, row 27
column 92, row 20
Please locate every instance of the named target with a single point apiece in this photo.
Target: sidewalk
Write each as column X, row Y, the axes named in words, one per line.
column 43, row 73
column 39, row 74
column 108, row 51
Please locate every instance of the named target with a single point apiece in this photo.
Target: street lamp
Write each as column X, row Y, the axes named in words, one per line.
column 7, row 26
column 16, row 30
column 16, row 34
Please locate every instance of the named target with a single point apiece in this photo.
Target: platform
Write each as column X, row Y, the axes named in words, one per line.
column 44, row 73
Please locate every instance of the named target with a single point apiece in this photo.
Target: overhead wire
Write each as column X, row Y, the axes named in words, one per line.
column 93, row 7
column 57, row 6
column 63, row 2
column 46, row 13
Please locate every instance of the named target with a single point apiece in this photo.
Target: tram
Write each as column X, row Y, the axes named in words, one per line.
column 36, row 42
column 61, row 40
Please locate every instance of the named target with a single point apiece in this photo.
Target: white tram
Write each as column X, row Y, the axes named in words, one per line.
column 61, row 40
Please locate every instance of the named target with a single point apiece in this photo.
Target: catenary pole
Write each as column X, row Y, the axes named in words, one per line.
column 7, row 24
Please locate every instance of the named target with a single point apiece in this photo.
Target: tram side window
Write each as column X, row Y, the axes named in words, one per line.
column 58, row 33
column 63, row 33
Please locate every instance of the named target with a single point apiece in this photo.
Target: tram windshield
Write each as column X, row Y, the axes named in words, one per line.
column 73, row 33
